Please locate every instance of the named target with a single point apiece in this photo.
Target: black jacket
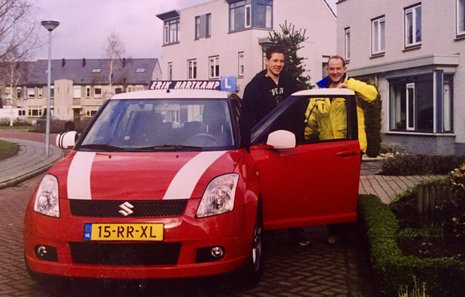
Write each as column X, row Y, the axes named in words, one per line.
column 261, row 96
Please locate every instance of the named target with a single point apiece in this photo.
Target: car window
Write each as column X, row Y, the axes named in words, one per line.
column 162, row 124
column 312, row 120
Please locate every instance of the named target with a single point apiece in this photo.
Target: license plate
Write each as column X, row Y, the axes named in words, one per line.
column 123, row 232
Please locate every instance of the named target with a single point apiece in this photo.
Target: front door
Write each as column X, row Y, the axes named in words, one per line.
column 316, row 182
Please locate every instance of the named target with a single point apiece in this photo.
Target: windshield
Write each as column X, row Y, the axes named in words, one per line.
column 156, row 124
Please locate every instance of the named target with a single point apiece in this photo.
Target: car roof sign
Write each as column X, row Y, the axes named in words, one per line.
column 185, row 85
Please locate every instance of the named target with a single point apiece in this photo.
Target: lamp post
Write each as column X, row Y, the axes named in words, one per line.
column 50, row 26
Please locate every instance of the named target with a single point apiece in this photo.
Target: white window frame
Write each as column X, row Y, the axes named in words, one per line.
column 171, row 31
column 99, row 95
column 77, row 92
column 88, row 92
column 248, row 16
column 240, row 64
column 460, row 7
column 214, row 67
column 197, row 27
column 40, row 92
column 30, row 92
column 208, row 23
column 378, row 35
column 347, row 43
column 409, row 86
column 192, row 69
column 413, row 11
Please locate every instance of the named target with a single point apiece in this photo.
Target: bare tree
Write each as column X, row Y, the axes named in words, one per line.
column 114, row 52
column 18, row 38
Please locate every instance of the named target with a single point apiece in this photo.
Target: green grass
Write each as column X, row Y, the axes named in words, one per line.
column 7, row 149
column 21, row 128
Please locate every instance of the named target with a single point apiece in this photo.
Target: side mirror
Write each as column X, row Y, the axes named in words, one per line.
column 281, row 139
column 66, row 140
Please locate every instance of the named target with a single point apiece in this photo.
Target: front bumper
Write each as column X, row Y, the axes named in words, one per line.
column 231, row 231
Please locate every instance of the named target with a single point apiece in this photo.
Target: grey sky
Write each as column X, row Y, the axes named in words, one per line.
column 86, row 24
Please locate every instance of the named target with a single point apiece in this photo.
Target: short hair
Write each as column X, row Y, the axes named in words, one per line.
column 274, row 49
column 336, row 57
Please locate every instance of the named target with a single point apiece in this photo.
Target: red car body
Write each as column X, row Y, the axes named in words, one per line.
column 309, row 184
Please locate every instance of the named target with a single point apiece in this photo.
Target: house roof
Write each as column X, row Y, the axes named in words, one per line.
column 94, row 71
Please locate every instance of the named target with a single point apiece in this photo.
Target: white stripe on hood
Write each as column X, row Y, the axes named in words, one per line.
column 79, row 176
column 183, row 184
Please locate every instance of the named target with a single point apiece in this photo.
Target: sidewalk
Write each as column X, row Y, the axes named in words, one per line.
column 29, row 161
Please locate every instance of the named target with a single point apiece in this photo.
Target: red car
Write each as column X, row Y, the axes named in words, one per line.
column 159, row 187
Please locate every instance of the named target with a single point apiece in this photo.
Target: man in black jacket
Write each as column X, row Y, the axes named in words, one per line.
column 265, row 91
column 261, row 95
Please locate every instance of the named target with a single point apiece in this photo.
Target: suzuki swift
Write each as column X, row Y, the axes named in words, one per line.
column 158, row 186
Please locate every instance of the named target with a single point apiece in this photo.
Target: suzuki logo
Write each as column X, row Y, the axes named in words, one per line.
column 126, row 209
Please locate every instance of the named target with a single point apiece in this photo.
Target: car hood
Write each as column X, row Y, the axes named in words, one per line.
column 142, row 175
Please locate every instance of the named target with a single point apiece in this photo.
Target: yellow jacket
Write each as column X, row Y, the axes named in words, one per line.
column 328, row 119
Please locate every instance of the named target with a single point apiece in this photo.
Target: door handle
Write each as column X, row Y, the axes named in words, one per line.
column 347, row 153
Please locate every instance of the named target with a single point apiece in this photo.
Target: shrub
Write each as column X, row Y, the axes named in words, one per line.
column 443, row 277
column 373, row 127
column 391, row 148
column 400, row 164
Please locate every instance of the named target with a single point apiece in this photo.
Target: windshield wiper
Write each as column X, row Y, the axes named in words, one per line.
column 102, row 147
column 167, row 147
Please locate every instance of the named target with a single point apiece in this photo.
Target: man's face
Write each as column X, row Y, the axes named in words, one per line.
column 336, row 70
column 275, row 64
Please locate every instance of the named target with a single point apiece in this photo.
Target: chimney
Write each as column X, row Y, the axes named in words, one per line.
column 124, row 62
column 63, row 62
column 83, row 62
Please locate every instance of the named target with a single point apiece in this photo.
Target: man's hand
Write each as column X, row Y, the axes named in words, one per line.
column 342, row 85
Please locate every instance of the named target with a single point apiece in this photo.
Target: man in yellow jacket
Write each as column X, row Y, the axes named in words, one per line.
column 328, row 119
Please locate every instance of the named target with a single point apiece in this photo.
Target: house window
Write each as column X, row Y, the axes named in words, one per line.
column 240, row 63
column 171, row 31
column 208, row 24
column 52, row 91
column 250, row 14
column 97, row 92
column 87, row 91
column 411, row 104
column 214, row 67
column 31, row 92
column 34, row 111
column 347, row 43
column 378, row 35
column 203, row 26
column 413, row 25
column 19, row 92
column 76, row 91
column 460, row 17
column 140, row 70
column 192, row 69
column 118, row 90
column 96, row 70
column 40, row 92
column 197, row 27
column 8, row 93
column 170, row 70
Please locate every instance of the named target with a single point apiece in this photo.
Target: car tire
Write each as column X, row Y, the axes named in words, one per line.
column 253, row 270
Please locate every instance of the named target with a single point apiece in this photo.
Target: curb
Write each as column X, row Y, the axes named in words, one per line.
column 17, row 180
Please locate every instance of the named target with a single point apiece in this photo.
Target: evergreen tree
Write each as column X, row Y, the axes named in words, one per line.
column 290, row 40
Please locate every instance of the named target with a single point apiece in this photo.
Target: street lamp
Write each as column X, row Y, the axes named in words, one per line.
column 50, row 26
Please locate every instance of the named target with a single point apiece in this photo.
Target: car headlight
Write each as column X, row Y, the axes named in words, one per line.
column 219, row 196
column 47, row 202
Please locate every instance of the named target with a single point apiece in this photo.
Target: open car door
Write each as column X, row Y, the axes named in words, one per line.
column 307, row 177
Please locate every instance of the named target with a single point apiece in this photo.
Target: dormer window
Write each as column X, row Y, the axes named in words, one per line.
column 140, row 70
column 96, row 70
column 171, row 27
column 250, row 14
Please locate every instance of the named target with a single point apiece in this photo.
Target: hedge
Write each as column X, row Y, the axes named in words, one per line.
column 443, row 277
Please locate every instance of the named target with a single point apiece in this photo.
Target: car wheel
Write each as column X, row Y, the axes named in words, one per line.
column 254, row 269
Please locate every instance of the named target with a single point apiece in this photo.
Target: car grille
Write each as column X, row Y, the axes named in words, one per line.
column 142, row 208
column 125, row 254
